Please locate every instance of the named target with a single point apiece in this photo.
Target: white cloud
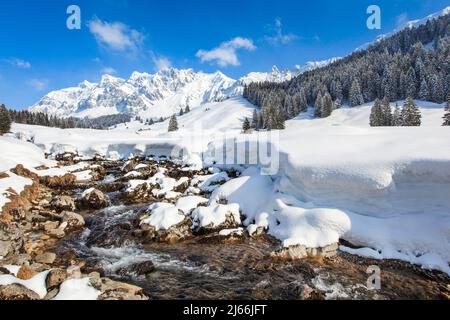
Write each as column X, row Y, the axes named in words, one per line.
column 162, row 63
column 38, row 84
column 116, row 35
column 279, row 37
column 226, row 54
column 109, row 70
column 19, row 63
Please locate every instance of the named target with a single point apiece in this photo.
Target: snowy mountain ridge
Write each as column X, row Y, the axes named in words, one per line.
column 156, row 95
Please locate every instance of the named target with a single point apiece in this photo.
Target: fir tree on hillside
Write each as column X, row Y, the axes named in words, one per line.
column 356, row 97
column 255, row 117
column 411, row 115
column 187, row 110
column 5, row 120
column 181, row 112
column 423, row 92
column 246, row 125
column 318, row 106
column 387, row 113
column 397, row 120
column 376, row 114
column 173, row 124
column 327, row 105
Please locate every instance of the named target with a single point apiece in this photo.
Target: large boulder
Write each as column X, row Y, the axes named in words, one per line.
column 17, row 292
column 93, row 199
column 113, row 290
column 11, row 239
column 54, row 278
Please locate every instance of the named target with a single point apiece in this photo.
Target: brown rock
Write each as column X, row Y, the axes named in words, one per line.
column 74, row 221
column 54, row 278
column 93, row 199
column 63, row 203
column 57, row 233
column 11, row 239
column 65, row 182
column 17, row 292
column 46, row 258
column 26, row 273
column 50, row 225
column 113, row 290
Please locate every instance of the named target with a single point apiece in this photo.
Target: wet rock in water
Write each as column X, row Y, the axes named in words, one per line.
column 112, row 290
column 174, row 234
column 143, row 268
column 17, row 292
column 54, row 278
column 74, row 221
column 301, row 252
column 93, row 199
column 46, row 258
column 63, row 203
column 26, row 273
column 11, row 239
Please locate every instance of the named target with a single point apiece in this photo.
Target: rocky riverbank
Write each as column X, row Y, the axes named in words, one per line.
column 144, row 229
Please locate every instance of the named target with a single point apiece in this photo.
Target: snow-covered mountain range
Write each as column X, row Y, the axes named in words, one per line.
column 155, row 95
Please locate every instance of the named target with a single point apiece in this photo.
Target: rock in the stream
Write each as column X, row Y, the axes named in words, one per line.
column 17, row 292
column 113, row 290
column 145, row 267
column 54, row 278
column 63, row 203
column 93, row 199
column 174, row 234
column 301, row 252
column 73, row 220
column 11, row 239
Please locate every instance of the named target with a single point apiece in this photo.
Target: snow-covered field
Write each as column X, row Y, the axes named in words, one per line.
column 385, row 189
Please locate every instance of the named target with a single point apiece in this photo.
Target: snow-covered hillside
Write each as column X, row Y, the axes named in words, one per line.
column 408, row 25
column 384, row 189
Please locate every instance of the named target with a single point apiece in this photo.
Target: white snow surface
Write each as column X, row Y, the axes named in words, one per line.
column 215, row 215
column 76, row 290
column 163, row 216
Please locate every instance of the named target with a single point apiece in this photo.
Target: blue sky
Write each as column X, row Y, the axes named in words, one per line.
column 39, row 54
